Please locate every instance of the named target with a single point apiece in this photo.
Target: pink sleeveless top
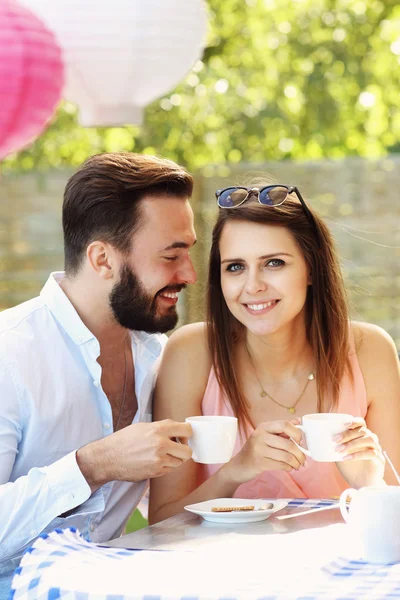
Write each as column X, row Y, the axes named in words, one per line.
column 316, row 480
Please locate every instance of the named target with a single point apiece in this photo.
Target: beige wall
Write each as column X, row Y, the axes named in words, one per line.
column 359, row 198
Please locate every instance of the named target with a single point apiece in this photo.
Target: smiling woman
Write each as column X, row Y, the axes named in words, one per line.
column 277, row 344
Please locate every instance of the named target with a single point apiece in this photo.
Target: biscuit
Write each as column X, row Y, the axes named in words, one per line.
column 231, row 508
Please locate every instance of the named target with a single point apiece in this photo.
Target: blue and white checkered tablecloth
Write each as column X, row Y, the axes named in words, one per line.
column 62, row 565
column 64, row 547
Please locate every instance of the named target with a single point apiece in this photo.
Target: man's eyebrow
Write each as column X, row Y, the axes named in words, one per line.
column 178, row 245
column 264, row 257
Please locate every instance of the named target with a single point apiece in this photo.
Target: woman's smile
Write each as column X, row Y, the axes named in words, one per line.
column 260, row 308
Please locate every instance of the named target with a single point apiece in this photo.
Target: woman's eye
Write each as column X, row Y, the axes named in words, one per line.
column 275, row 262
column 234, row 267
column 171, row 258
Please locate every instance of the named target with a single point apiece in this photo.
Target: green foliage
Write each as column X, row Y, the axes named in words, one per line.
column 295, row 79
column 136, row 522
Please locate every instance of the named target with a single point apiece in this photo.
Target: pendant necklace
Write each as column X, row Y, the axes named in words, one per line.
column 263, row 392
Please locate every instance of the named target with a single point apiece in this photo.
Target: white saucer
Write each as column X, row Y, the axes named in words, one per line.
column 204, row 510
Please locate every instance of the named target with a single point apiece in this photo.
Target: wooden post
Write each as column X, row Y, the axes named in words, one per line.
column 194, row 296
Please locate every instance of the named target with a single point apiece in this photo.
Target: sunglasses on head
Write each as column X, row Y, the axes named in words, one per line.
column 270, row 195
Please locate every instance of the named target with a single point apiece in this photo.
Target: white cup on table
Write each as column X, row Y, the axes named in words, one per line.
column 319, row 429
column 374, row 517
column 213, row 438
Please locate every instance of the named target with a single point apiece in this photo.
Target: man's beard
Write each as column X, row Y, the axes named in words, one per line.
column 134, row 308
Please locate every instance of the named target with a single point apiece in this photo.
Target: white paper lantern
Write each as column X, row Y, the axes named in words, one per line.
column 120, row 55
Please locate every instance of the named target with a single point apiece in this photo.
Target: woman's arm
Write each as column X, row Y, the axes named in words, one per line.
column 379, row 363
column 180, row 388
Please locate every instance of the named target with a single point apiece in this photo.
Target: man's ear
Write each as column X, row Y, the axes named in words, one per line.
column 102, row 259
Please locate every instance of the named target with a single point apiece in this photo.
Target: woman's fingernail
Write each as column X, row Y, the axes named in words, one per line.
column 348, row 424
column 305, row 464
column 337, row 438
column 340, row 448
column 348, row 457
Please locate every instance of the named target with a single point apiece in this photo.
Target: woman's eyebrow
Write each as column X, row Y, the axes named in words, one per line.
column 263, row 257
column 274, row 254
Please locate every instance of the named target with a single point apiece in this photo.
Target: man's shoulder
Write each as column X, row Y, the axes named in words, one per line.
column 24, row 320
column 16, row 315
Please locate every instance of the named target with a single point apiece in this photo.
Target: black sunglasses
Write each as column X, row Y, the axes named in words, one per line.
column 270, row 195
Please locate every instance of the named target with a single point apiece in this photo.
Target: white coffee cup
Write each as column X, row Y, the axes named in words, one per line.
column 319, row 429
column 374, row 516
column 213, row 438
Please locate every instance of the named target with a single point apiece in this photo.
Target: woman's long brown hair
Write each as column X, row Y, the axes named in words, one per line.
column 327, row 321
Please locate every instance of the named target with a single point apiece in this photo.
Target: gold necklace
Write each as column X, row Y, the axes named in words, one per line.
column 263, row 393
column 124, row 390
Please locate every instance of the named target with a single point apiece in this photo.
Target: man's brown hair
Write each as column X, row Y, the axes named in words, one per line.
column 102, row 199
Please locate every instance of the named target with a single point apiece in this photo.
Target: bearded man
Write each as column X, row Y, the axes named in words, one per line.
column 78, row 363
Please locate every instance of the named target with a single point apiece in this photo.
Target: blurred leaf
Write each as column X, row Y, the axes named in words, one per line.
column 278, row 79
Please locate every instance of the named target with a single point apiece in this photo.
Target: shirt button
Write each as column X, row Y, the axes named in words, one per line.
column 96, row 383
column 92, row 528
column 80, row 338
column 107, row 425
column 32, row 532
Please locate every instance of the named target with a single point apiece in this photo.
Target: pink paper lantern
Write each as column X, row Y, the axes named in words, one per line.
column 31, row 76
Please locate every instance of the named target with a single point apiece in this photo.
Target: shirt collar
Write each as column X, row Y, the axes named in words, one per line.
column 151, row 343
column 64, row 312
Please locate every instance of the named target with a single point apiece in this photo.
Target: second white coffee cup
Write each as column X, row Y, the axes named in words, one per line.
column 374, row 517
column 319, row 429
column 213, row 438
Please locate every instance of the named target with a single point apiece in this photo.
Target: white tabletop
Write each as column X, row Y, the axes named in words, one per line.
column 299, row 552
column 187, row 531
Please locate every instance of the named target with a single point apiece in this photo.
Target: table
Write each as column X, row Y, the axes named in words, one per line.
column 187, row 531
column 300, row 553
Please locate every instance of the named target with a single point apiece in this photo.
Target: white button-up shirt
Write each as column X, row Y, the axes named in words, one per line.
column 51, row 404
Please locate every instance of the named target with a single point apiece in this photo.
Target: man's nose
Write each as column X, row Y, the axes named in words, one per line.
column 188, row 274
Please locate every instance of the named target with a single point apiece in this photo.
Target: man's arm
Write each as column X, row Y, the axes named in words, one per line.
column 30, row 503
column 139, row 451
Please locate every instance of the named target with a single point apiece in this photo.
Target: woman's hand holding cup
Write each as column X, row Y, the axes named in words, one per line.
column 363, row 460
column 358, row 442
column 345, row 440
column 270, row 447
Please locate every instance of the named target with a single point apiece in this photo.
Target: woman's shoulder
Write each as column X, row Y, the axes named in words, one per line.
column 190, row 336
column 374, row 346
column 379, row 363
column 368, row 333
column 184, row 372
column 189, row 343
